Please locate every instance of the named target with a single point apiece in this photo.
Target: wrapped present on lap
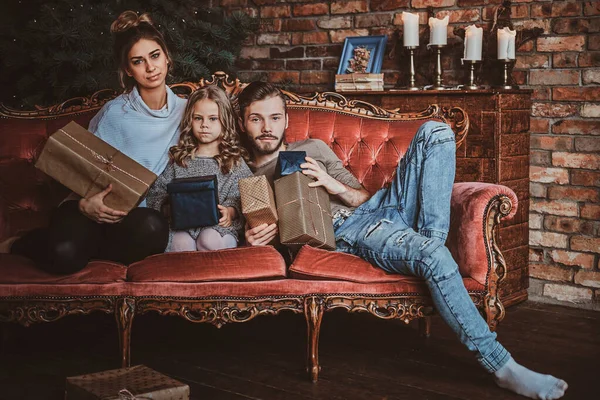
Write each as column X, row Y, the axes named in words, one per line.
column 86, row 165
column 258, row 202
column 138, row 382
column 289, row 162
column 194, row 202
column 304, row 213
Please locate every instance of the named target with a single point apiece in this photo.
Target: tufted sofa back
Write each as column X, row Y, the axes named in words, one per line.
column 370, row 146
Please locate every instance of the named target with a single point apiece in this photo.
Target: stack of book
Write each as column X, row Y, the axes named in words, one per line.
column 358, row 82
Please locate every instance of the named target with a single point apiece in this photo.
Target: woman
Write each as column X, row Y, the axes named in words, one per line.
column 143, row 124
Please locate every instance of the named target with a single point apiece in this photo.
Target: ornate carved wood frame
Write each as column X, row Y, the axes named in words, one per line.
column 219, row 311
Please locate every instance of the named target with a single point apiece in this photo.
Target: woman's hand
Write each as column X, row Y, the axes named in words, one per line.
column 94, row 209
column 228, row 214
column 313, row 169
column 261, row 235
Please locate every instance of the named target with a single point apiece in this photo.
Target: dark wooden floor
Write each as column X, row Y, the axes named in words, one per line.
column 362, row 357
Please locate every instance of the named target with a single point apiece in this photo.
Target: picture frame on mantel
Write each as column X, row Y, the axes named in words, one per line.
column 375, row 45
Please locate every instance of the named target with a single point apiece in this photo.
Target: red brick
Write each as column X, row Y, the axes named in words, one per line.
column 542, row 23
column 576, row 127
column 260, row 64
column 284, row 76
column 539, row 125
column 561, row 43
column 555, row 110
column 564, row 60
column 572, row 294
column 335, row 22
column 299, row 25
column 550, row 272
column 592, row 8
column 587, row 144
column 532, row 61
column 310, row 38
column 573, row 193
column 535, row 221
column 548, row 175
column 254, row 52
column 590, row 110
column 263, row 2
column 540, row 158
column 526, row 47
column 519, row 11
column 388, row 5
column 576, row 25
column 369, row 20
column 324, row 51
column 551, row 142
column 556, row 77
column 540, row 93
column 331, row 64
column 536, row 254
column 591, row 76
column 594, row 42
column 575, row 160
column 275, row 11
column 287, row 52
column 576, row 93
column 548, row 239
column 311, row 9
column 316, row 77
column 572, row 258
column 585, row 178
column 468, row 15
column 432, row 3
column 590, row 211
column 233, row 3
column 588, row 278
column 556, row 9
column 340, row 35
column 270, row 25
column 537, row 190
column 571, row 225
column 564, row 208
column 349, row 7
column 585, row 243
column 274, row 38
column 302, row 65
column 589, row 59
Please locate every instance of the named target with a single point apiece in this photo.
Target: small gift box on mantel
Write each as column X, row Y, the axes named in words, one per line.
column 86, row 164
column 134, row 383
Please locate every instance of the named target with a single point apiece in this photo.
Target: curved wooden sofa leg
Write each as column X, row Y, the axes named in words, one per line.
column 425, row 326
column 124, row 313
column 313, row 312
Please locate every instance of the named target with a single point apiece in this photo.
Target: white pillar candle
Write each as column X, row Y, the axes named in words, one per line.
column 506, row 44
column 439, row 31
column 473, row 43
column 411, row 29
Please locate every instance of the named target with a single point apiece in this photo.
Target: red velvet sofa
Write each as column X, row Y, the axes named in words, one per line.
column 239, row 284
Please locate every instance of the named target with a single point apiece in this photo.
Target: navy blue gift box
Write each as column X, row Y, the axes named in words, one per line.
column 194, row 202
column 289, row 162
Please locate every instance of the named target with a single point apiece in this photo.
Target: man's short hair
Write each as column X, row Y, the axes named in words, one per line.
column 257, row 91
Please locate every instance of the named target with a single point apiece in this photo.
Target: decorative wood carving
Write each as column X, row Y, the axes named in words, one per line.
column 313, row 312
column 405, row 308
column 219, row 311
column 124, row 313
column 26, row 311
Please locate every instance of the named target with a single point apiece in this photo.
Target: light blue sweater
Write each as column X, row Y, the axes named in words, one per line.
column 145, row 135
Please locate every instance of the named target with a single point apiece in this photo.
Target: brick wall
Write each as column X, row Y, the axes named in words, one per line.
column 299, row 46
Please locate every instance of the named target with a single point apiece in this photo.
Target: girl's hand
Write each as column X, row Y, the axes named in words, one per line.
column 228, row 214
column 313, row 169
column 94, row 209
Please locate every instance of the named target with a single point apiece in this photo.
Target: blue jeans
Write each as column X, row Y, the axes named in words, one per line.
column 403, row 228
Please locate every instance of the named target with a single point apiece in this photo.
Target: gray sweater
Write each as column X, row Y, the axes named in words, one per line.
column 229, row 194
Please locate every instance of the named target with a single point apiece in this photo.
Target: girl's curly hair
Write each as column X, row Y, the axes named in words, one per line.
column 231, row 151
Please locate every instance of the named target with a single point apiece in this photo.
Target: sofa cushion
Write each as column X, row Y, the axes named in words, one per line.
column 312, row 263
column 239, row 264
column 20, row 270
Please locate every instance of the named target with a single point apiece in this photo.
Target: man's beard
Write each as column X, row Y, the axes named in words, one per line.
column 266, row 151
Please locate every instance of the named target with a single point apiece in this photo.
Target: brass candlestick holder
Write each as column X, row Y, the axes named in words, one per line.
column 412, row 85
column 472, row 64
column 507, row 81
column 438, row 68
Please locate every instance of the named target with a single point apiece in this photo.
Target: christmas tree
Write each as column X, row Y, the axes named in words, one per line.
column 54, row 50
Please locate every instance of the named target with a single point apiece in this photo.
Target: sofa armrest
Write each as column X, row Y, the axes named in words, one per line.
column 476, row 211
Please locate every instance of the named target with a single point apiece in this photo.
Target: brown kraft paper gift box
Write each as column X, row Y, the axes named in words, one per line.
column 304, row 213
column 134, row 383
column 258, row 202
column 86, row 164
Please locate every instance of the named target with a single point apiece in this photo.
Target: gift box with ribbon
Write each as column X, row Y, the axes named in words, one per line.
column 86, row 165
column 134, row 383
column 289, row 162
column 194, row 202
column 304, row 213
column 258, row 202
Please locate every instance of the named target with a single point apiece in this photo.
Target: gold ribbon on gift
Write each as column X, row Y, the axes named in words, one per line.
column 107, row 161
column 321, row 211
column 125, row 394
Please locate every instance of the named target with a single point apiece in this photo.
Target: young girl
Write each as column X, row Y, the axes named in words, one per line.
column 142, row 123
column 208, row 145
